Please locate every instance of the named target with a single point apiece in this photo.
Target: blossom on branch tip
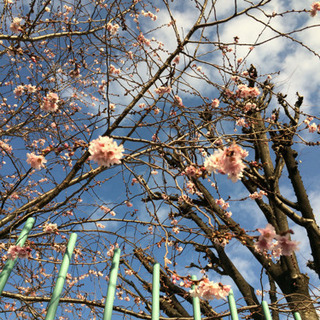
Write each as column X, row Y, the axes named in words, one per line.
column 4, row 147
column 15, row 25
column 282, row 245
column 192, row 171
column 36, row 162
column 20, row 252
column 286, row 245
column 247, row 92
column 50, row 102
column 314, row 8
column 114, row 70
column 162, row 90
column 215, row 103
column 312, row 127
column 209, row 290
column 178, row 100
column 176, row 60
column 227, row 161
column 257, row 195
column 50, row 227
column 105, row 151
column 113, row 29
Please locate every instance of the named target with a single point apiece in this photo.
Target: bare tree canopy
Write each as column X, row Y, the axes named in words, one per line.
column 182, row 132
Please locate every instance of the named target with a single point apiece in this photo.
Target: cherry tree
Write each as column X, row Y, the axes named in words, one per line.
column 164, row 128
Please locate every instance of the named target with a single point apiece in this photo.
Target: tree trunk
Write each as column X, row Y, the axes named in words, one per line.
column 297, row 294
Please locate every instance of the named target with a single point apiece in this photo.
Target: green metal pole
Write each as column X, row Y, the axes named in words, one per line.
column 232, row 306
column 155, row 292
column 266, row 310
column 53, row 305
column 112, row 285
column 10, row 263
column 297, row 316
column 195, row 303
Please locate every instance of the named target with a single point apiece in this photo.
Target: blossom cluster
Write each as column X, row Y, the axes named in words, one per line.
column 149, row 14
column 105, row 151
column 113, row 29
column 21, row 89
column 257, row 195
column 142, row 40
column 315, row 7
column 191, row 188
column 247, row 92
column 242, row 123
column 192, row 171
column 114, row 70
column 20, row 252
column 50, row 102
column 227, row 161
column 50, row 228
column 282, row 244
column 15, row 26
column 224, row 205
column 209, row 290
column 215, row 103
column 5, row 147
column 36, row 162
column 162, row 90
column 178, row 100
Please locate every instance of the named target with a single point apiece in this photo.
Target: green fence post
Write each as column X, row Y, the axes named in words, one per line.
column 53, row 305
column 297, row 316
column 266, row 310
column 232, row 306
column 10, row 263
column 155, row 292
column 195, row 303
column 112, row 285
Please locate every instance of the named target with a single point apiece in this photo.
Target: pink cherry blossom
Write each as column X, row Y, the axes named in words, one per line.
column 17, row 251
column 18, row 91
column 227, row 161
column 15, row 25
column 190, row 187
column 314, row 8
column 30, row 88
column 142, row 40
column 268, row 232
column 162, row 90
column 241, row 122
column 209, row 290
column 192, row 171
column 178, row 100
column 114, row 70
column 113, row 29
column 128, row 272
column 5, row 148
column 215, row 103
column 287, row 246
column 36, row 162
column 128, row 204
column 176, row 60
column 105, row 151
column 312, row 127
column 247, row 92
column 176, row 230
column 266, row 238
column 50, row 227
column 257, row 195
column 50, row 102
column 282, row 244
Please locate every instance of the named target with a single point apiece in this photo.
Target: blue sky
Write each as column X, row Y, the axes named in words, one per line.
column 298, row 70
